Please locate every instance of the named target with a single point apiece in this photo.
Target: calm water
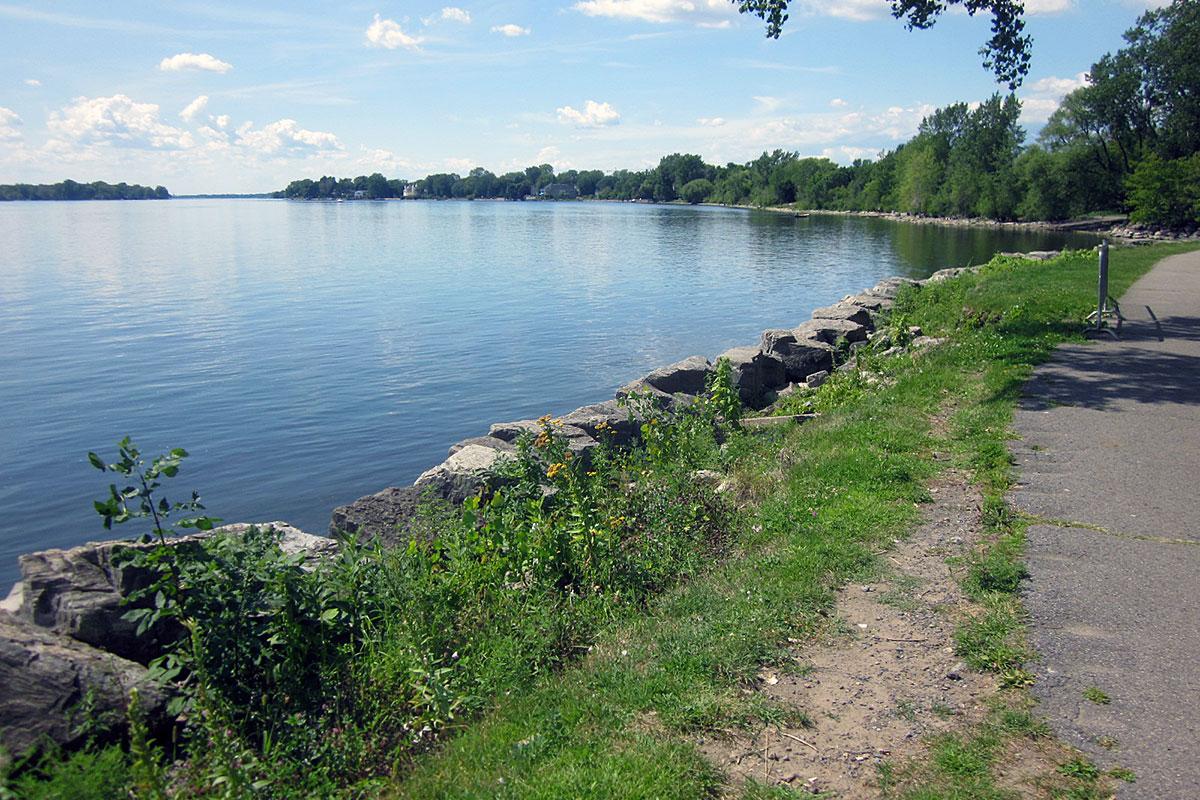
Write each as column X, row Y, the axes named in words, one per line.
column 310, row 353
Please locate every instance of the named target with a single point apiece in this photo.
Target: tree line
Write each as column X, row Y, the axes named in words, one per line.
column 1129, row 139
column 70, row 190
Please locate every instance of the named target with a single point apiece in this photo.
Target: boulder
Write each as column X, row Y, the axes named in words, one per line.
column 578, row 441
column 817, row 378
column 831, row 331
column 52, row 682
column 484, row 441
column 385, row 515
column 846, row 311
column 802, row 355
column 947, row 274
column 755, row 374
column 461, row 475
column 689, row 376
column 605, row 421
column 79, row 592
column 870, row 301
column 890, row 287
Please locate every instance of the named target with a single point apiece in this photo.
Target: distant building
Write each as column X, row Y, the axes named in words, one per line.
column 410, row 191
column 559, row 191
column 360, row 194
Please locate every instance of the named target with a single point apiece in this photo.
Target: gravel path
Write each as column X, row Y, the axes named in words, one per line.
column 1109, row 458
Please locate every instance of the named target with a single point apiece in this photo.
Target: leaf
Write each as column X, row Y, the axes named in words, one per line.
column 96, row 461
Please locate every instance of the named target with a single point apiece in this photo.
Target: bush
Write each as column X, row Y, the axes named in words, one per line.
column 306, row 679
column 1165, row 193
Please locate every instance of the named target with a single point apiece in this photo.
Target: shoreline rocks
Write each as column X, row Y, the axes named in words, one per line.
column 62, row 631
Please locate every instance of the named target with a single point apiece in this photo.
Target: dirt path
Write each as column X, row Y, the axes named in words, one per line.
column 885, row 675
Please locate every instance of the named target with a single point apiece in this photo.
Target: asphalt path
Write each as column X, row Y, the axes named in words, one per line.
column 1109, row 460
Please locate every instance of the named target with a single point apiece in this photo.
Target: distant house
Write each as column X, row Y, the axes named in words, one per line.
column 360, row 194
column 410, row 191
column 559, row 191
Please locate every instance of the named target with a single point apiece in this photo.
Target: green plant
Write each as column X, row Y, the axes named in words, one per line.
column 1080, row 769
column 723, row 396
column 1096, row 695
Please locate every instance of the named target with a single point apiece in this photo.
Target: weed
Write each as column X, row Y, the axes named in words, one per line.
column 1096, row 696
column 1081, row 769
column 1122, row 774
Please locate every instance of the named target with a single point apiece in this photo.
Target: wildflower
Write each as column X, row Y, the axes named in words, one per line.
column 555, row 469
column 543, row 419
column 541, row 441
column 602, row 425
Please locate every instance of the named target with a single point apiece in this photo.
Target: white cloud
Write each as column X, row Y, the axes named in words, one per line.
column 767, row 103
column 510, row 29
column 386, row 33
column 857, row 10
column 193, row 108
column 594, row 115
column 381, row 160
column 458, row 165
column 846, row 153
column 1042, row 97
column 453, row 14
column 708, row 13
column 285, row 137
column 837, row 102
column 1035, row 7
column 118, row 121
column 34, row 82
column 222, row 121
column 711, row 122
column 9, row 121
column 202, row 61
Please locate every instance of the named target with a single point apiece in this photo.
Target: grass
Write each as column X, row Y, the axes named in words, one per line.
column 825, row 497
column 817, row 503
column 1096, row 696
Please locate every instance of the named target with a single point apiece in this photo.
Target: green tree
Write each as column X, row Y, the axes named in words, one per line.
column 1006, row 54
column 696, row 191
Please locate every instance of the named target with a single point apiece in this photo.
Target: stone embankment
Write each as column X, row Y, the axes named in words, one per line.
column 64, row 641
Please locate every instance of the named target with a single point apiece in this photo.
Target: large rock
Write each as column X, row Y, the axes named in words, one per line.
column 47, row 676
column 461, row 475
column 689, row 376
column 870, row 301
column 605, row 422
column 846, row 311
column 484, row 441
column 948, row 273
column 672, row 386
column 801, row 354
column 755, row 374
column 831, row 331
column 79, row 592
column 385, row 515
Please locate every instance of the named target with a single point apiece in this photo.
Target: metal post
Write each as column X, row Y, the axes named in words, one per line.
column 1105, row 306
column 1100, row 309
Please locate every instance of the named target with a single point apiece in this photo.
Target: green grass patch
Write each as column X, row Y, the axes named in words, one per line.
column 573, row 645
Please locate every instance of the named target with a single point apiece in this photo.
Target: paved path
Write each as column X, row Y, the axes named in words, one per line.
column 1111, row 442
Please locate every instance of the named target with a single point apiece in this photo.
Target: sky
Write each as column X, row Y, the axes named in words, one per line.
column 207, row 97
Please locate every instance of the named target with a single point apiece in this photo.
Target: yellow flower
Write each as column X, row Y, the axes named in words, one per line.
column 541, row 441
column 555, row 469
column 543, row 419
column 602, row 425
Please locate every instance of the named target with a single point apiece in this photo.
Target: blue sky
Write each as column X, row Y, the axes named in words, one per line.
column 228, row 96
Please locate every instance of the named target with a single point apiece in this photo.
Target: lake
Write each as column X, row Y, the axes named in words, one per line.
column 307, row 354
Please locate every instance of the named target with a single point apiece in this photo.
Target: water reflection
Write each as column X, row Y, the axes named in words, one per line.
column 309, row 353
